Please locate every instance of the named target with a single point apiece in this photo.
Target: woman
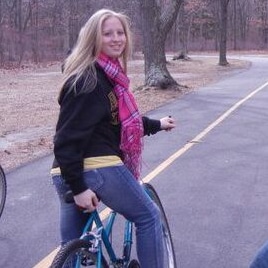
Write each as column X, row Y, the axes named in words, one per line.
column 98, row 140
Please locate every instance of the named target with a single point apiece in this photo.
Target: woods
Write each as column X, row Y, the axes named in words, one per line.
column 44, row 30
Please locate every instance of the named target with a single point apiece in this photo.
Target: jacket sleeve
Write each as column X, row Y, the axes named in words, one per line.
column 151, row 126
column 79, row 114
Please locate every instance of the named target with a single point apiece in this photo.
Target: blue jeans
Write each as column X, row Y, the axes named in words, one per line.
column 117, row 189
column 261, row 258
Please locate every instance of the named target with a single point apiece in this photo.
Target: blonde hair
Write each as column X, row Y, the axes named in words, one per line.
column 88, row 47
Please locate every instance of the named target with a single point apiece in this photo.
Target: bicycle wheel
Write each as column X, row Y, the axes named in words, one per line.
column 169, row 252
column 76, row 254
column 3, row 190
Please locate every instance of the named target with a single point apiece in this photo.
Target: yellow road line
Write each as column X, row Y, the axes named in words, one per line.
column 201, row 135
column 104, row 213
column 45, row 263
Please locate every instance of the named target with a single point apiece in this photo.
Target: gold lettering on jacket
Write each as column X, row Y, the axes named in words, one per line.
column 114, row 108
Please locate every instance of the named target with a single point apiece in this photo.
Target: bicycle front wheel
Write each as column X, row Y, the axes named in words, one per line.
column 3, row 190
column 169, row 252
column 76, row 254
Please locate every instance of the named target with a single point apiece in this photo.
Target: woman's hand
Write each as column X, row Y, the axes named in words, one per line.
column 167, row 123
column 86, row 200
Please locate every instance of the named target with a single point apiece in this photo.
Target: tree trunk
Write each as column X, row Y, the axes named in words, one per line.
column 184, row 34
column 223, row 32
column 235, row 25
column 73, row 23
column 155, row 27
column 22, row 31
column 1, row 35
column 35, row 37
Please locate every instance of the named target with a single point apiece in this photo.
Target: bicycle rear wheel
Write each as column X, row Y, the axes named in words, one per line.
column 169, row 252
column 76, row 254
column 3, row 190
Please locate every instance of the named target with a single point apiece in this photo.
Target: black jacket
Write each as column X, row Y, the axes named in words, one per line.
column 88, row 126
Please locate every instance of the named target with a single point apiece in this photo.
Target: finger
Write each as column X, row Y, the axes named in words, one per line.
column 81, row 208
column 95, row 201
column 88, row 210
column 85, row 207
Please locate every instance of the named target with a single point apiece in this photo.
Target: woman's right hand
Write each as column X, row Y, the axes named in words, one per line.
column 87, row 200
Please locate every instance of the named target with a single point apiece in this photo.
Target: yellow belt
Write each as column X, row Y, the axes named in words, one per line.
column 95, row 162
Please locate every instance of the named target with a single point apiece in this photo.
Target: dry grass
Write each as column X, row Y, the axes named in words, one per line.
column 29, row 109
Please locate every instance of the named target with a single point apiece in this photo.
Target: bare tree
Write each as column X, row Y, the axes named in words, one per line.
column 44, row 30
column 22, row 13
column 34, row 25
column 183, row 33
column 1, row 34
column 156, row 23
column 190, row 11
column 223, row 32
column 235, row 23
column 73, row 22
column 262, row 17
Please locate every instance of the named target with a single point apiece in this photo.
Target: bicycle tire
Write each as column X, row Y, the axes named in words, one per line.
column 67, row 256
column 169, row 254
column 3, row 190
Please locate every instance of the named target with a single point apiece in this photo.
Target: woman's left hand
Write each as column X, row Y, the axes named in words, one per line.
column 167, row 123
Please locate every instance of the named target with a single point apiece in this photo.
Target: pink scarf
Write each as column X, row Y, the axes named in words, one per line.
column 131, row 123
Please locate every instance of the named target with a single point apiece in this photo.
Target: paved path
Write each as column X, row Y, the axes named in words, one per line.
column 211, row 173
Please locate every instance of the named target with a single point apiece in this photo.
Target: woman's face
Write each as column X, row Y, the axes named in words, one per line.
column 113, row 37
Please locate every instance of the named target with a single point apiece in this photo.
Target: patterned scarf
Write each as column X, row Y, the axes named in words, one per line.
column 131, row 143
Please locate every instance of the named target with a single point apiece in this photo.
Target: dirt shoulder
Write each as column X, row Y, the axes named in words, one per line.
column 29, row 109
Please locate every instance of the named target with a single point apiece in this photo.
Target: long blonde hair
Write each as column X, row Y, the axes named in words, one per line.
column 88, row 47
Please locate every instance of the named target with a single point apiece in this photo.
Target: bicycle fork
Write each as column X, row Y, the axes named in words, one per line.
column 102, row 235
column 94, row 239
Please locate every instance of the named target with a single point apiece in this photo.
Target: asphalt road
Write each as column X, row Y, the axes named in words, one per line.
column 211, row 174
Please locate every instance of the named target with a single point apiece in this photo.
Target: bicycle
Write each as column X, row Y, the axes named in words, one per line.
column 87, row 251
column 3, row 190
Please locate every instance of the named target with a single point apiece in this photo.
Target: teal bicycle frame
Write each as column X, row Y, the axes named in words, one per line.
column 88, row 249
column 102, row 234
